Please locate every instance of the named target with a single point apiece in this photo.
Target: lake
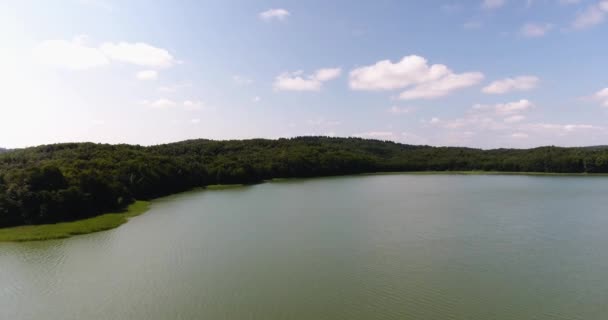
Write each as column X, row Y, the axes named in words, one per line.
column 443, row 247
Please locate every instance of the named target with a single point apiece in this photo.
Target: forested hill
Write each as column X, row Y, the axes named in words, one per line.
column 76, row 180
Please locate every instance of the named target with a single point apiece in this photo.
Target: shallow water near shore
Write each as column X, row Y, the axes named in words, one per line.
column 362, row 247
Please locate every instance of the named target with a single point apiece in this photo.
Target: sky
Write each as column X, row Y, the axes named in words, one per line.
column 476, row 73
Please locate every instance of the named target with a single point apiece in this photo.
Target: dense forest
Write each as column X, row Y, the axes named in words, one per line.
column 70, row 181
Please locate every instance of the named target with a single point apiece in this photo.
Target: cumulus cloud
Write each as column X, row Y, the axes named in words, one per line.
column 561, row 129
column 412, row 73
column 493, row 4
column 592, row 15
column 443, row 86
column 76, row 55
column 296, row 81
column 274, row 14
column 493, row 118
column 521, row 83
column 327, row 74
column 147, row 75
column 602, row 96
column 532, row 30
column 141, row 54
column 508, row 108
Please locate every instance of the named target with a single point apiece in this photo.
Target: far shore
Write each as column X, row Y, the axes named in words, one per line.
column 113, row 220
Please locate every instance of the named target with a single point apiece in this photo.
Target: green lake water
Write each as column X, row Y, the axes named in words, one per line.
column 441, row 247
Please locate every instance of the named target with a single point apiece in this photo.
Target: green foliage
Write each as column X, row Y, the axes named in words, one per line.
column 67, row 229
column 74, row 181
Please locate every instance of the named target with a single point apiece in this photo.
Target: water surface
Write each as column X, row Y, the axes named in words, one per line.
column 368, row 247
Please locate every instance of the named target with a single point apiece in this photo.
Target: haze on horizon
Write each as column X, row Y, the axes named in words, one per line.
column 479, row 73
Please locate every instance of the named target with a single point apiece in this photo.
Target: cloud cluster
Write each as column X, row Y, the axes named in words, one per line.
column 274, row 14
column 504, row 109
column 592, row 15
column 506, row 120
column 77, row 55
column 602, row 96
column 296, row 81
column 70, row 54
column 521, row 83
column 412, row 73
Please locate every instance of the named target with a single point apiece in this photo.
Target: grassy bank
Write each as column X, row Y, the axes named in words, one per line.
column 223, row 186
column 68, row 229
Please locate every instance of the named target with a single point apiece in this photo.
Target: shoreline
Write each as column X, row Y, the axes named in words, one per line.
column 64, row 230
column 110, row 221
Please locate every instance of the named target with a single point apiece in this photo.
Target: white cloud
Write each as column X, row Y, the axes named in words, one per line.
column 274, row 14
column 496, row 117
column 521, row 83
column 514, row 119
column 443, row 86
column 493, row 4
column 385, row 75
column 400, row 110
column 505, row 108
column 256, row 99
column 412, row 71
column 592, row 15
column 602, row 96
column 73, row 54
column 139, row 53
column 295, row 81
column 159, row 104
column 147, row 75
column 532, row 30
column 327, row 74
column 76, row 55
column 561, row 129
column 195, row 121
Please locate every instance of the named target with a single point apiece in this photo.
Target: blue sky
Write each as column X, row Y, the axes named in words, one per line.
column 479, row 73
